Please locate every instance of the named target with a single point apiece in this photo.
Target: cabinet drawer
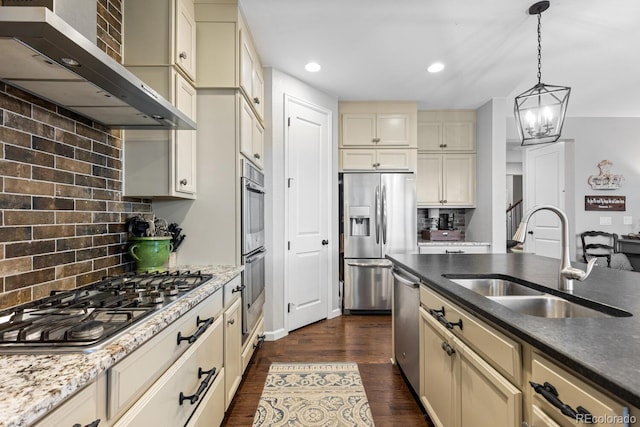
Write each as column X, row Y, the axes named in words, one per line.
column 210, row 412
column 133, row 375
column 251, row 343
column 160, row 405
column 453, row 249
column 503, row 353
column 81, row 409
column 229, row 295
column 572, row 391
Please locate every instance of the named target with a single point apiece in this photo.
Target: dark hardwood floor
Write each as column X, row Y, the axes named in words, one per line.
column 364, row 339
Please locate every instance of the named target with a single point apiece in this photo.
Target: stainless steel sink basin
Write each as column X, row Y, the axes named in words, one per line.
column 525, row 299
column 548, row 306
column 495, row 287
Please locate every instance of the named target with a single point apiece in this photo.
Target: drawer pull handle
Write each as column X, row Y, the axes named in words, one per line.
column 549, row 392
column 203, row 326
column 238, row 288
column 201, row 388
column 260, row 341
column 454, row 252
column 440, row 317
column 92, row 424
column 447, row 348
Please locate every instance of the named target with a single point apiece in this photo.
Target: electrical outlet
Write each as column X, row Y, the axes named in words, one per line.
column 605, row 220
column 627, row 220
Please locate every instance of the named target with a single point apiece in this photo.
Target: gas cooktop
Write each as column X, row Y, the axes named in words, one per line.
column 84, row 319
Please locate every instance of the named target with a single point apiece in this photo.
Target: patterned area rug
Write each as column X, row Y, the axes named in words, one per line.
column 313, row 394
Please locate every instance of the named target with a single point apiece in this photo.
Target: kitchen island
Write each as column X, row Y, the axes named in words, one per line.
column 31, row 385
column 603, row 351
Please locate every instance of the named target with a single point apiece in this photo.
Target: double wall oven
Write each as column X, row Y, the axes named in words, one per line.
column 253, row 250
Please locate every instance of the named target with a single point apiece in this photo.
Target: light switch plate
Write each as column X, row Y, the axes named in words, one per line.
column 605, row 220
column 627, row 220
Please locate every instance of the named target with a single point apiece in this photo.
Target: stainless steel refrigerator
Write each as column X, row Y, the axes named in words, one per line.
column 379, row 217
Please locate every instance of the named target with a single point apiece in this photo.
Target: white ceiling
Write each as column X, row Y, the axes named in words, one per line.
column 380, row 49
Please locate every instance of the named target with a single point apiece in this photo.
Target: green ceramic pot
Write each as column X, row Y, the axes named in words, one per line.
column 150, row 253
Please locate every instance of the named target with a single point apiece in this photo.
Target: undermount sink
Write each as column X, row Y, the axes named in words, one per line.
column 490, row 287
column 548, row 306
column 524, row 299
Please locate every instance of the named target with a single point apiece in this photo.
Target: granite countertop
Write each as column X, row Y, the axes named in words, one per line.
column 604, row 350
column 32, row 384
column 423, row 242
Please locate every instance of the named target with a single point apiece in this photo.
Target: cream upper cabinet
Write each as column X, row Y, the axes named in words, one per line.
column 446, row 180
column 160, row 33
column 452, row 131
column 251, row 80
column 161, row 163
column 377, row 159
column 185, row 38
column 378, row 124
column 231, row 59
column 364, row 130
column 251, row 135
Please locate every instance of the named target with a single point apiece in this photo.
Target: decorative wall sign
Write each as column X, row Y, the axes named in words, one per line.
column 605, row 203
column 606, row 180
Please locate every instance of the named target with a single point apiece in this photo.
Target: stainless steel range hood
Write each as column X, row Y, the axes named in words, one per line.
column 44, row 55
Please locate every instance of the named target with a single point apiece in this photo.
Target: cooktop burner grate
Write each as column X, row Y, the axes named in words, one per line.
column 83, row 319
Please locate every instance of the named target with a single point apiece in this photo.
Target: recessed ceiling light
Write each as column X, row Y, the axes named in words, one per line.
column 313, row 67
column 436, row 67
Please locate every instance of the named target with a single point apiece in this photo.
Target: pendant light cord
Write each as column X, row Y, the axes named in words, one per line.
column 539, row 48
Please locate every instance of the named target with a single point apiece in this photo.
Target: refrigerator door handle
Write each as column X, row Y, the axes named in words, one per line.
column 377, row 214
column 384, row 215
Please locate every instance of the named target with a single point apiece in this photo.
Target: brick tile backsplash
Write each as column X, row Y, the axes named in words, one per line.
column 62, row 213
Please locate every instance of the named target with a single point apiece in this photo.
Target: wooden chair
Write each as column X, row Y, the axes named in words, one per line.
column 599, row 244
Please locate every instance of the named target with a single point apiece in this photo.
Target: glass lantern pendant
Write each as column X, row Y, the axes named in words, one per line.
column 540, row 110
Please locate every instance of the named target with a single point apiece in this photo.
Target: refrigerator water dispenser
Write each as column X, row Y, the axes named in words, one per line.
column 359, row 220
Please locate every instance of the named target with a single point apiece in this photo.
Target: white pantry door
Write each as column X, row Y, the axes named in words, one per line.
column 308, row 144
column 544, row 177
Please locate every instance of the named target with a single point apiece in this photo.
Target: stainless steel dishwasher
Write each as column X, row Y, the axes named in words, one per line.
column 406, row 322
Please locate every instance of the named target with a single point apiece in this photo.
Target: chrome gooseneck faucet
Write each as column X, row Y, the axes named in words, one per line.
column 567, row 273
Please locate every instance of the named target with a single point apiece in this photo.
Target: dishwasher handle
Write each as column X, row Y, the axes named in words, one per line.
column 411, row 282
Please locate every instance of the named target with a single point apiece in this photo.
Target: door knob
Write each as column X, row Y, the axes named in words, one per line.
column 530, row 232
column 325, row 242
column 183, row 182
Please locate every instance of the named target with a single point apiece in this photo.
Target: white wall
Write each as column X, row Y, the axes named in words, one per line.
column 487, row 222
column 277, row 85
column 596, row 139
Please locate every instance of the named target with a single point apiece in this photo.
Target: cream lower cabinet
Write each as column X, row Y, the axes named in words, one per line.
column 232, row 350
column 458, row 388
column 377, row 159
column 573, row 392
column 446, row 180
column 85, row 408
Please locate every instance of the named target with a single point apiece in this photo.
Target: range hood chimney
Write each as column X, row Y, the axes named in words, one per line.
column 44, row 55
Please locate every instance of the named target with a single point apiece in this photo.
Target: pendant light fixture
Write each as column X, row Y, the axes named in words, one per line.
column 540, row 110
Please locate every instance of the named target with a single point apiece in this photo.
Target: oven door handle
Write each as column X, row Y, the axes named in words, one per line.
column 254, row 188
column 255, row 257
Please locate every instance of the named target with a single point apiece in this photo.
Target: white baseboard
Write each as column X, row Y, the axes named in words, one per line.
column 275, row 335
column 334, row 313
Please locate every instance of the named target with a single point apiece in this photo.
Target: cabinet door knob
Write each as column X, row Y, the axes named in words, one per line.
column 183, row 181
column 444, row 201
column 256, row 155
column 183, row 55
column 231, row 321
column 325, row 242
column 256, row 100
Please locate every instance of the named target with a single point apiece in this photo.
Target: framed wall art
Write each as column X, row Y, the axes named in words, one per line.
column 605, row 203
